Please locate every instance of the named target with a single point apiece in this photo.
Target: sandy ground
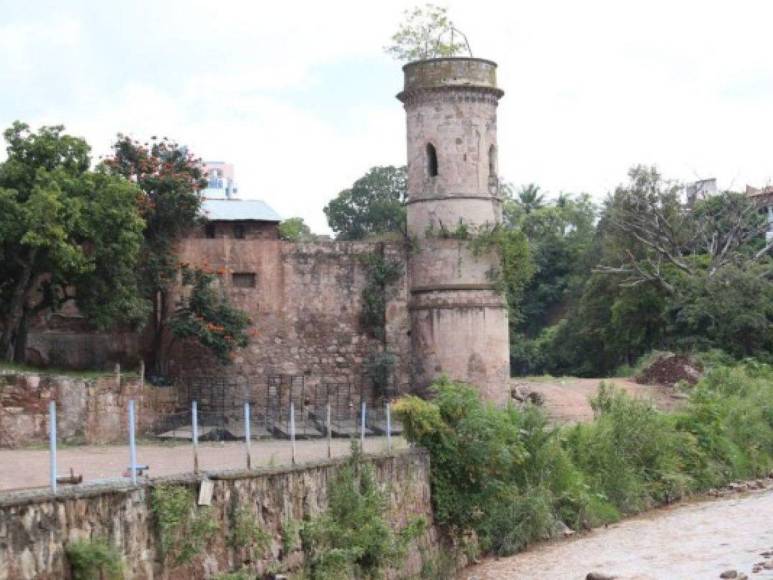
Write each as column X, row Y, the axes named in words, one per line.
column 567, row 399
column 24, row 468
column 694, row 540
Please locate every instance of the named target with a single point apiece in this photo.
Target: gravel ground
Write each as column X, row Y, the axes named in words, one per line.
column 25, row 468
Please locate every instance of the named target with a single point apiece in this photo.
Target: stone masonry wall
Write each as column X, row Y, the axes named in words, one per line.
column 89, row 411
column 306, row 306
column 36, row 527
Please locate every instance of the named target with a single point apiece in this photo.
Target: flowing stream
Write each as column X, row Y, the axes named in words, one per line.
column 688, row 541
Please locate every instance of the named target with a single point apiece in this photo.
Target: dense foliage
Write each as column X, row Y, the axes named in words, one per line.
column 655, row 272
column 65, row 232
column 205, row 315
column 353, row 539
column 372, row 206
column 512, row 479
column 295, row 230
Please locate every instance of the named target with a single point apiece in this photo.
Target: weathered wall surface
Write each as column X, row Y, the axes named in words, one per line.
column 306, row 307
column 35, row 528
column 90, row 411
column 458, row 316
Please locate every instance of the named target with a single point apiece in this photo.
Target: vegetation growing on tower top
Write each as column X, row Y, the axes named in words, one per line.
column 427, row 32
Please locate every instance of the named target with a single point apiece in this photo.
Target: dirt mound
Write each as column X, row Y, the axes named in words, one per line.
column 667, row 369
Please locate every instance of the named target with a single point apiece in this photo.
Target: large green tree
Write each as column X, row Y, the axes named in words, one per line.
column 66, row 232
column 169, row 178
column 373, row 205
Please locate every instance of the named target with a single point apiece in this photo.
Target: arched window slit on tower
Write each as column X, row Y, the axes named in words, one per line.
column 492, row 161
column 432, row 167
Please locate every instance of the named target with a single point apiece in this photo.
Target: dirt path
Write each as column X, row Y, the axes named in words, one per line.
column 697, row 540
column 567, row 398
column 23, row 468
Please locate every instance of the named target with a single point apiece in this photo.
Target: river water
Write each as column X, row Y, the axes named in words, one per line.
column 687, row 541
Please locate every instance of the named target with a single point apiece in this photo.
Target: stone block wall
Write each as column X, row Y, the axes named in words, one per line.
column 89, row 411
column 305, row 301
column 35, row 527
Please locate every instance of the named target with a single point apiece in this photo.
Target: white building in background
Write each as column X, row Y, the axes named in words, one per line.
column 700, row 190
column 220, row 180
column 763, row 197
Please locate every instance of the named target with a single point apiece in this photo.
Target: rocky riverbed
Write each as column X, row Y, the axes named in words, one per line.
column 730, row 536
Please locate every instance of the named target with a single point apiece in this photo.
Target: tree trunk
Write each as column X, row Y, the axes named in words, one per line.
column 16, row 307
column 20, row 342
column 156, row 358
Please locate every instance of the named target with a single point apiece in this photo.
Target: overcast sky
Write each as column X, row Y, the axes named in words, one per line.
column 299, row 96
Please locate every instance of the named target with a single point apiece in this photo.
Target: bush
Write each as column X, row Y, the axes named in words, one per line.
column 94, row 560
column 508, row 476
column 184, row 528
column 352, row 538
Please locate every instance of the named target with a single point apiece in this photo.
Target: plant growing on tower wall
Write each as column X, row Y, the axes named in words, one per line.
column 427, row 32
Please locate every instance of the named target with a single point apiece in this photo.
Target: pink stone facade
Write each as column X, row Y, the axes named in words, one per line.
column 458, row 316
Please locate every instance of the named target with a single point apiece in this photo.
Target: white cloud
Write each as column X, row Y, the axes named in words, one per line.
column 591, row 88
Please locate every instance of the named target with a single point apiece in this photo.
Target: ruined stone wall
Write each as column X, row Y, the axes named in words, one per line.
column 35, row 527
column 305, row 306
column 89, row 411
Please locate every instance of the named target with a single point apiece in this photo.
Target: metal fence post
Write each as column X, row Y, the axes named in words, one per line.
column 132, row 444
column 247, row 434
column 52, row 441
column 195, row 420
column 389, row 427
column 362, row 427
column 292, row 428
column 329, row 434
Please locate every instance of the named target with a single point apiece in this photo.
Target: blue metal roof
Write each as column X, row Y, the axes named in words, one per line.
column 238, row 209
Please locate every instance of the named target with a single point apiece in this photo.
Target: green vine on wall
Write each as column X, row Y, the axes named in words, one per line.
column 381, row 272
column 184, row 528
column 247, row 535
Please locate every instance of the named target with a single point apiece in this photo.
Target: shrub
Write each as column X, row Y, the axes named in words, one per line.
column 94, row 560
column 184, row 529
column 508, row 476
column 352, row 538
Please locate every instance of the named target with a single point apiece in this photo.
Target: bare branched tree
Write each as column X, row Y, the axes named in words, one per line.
column 659, row 234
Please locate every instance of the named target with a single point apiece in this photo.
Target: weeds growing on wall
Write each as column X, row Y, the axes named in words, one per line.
column 381, row 272
column 184, row 528
column 511, row 478
column 94, row 560
column 353, row 539
column 247, row 535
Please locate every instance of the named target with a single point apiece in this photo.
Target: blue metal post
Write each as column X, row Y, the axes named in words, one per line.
column 132, row 444
column 52, row 442
column 389, row 427
column 195, row 425
column 247, row 435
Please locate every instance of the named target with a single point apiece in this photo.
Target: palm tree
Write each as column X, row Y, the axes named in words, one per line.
column 529, row 197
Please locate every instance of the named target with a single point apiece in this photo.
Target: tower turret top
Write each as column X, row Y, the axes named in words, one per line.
column 450, row 73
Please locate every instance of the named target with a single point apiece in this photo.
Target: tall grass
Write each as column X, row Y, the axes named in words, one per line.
column 511, row 478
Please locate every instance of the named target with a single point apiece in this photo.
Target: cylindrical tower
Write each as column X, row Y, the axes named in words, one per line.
column 458, row 315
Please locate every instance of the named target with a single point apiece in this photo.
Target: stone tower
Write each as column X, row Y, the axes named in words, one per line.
column 458, row 318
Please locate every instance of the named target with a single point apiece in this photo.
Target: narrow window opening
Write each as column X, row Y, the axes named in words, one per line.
column 239, row 231
column 209, row 230
column 243, row 280
column 432, row 166
column 492, row 161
